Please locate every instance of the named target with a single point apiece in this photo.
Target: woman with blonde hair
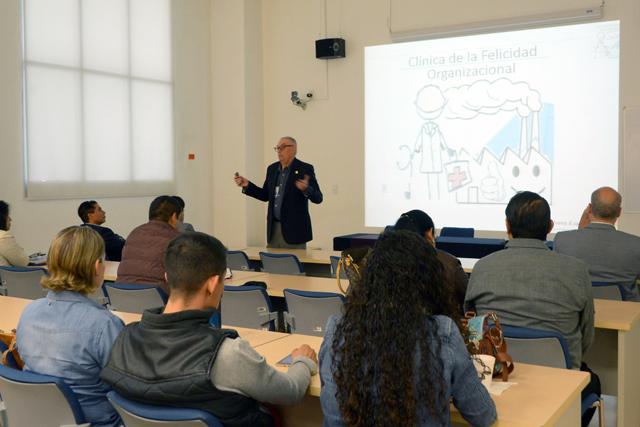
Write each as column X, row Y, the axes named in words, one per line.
column 66, row 334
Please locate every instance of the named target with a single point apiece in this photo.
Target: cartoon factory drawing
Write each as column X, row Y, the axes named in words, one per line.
column 515, row 158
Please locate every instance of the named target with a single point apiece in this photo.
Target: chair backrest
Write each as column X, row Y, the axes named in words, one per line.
column 537, row 347
column 22, row 282
column 99, row 295
column 38, row 400
column 134, row 298
column 334, row 267
column 238, row 260
column 603, row 290
column 247, row 307
column 281, row 263
column 456, row 232
column 135, row 414
column 308, row 312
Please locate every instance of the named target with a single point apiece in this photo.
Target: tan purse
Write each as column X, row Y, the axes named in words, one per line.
column 9, row 339
column 483, row 335
column 352, row 261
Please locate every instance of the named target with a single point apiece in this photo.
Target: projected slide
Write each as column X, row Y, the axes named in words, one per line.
column 457, row 126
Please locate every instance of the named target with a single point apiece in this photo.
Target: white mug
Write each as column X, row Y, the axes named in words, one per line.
column 484, row 367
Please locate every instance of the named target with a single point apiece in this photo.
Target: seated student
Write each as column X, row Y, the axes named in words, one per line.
column 183, row 226
column 421, row 223
column 396, row 357
column 611, row 255
column 11, row 254
column 175, row 357
column 92, row 215
column 143, row 253
column 67, row 334
column 530, row 286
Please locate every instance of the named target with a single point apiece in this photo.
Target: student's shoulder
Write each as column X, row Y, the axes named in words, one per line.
column 566, row 235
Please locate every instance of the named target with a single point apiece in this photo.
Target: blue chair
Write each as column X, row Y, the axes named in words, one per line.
column 456, row 232
column 134, row 298
column 238, row 260
column 604, row 290
column 334, row 267
column 546, row 348
column 135, row 414
column 56, row 402
column 307, row 312
column 248, row 307
column 281, row 263
column 22, row 282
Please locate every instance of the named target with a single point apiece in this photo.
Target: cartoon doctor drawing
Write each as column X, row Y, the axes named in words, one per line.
column 430, row 142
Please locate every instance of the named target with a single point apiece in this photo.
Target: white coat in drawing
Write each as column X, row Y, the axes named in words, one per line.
column 430, row 142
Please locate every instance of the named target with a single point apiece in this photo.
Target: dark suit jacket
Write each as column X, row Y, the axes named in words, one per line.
column 113, row 243
column 294, row 213
column 611, row 255
column 455, row 278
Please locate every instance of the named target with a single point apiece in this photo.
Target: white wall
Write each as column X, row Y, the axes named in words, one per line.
column 36, row 222
column 236, row 63
column 330, row 132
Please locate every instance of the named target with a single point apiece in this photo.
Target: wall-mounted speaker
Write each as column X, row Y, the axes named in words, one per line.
column 330, row 48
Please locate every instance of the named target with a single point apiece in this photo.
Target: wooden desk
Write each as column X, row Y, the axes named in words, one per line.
column 542, row 397
column 468, row 264
column 11, row 308
column 277, row 283
column 316, row 262
column 614, row 355
column 111, row 270
column 306, row 256
column 240, row 277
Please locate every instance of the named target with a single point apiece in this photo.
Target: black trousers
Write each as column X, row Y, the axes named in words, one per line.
column 592, row 387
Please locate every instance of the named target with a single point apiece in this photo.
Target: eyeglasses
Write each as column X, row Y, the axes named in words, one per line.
column 282, row 147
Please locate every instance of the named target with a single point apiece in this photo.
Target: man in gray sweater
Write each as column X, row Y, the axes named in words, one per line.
column 175, row 357
column 530, row 286
column 612, row 256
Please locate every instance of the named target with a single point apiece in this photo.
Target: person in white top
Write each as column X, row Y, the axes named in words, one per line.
column 11, row 253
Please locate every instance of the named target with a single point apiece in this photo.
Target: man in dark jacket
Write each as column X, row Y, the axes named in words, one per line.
column 288, row 187
column 143, row 254
column 92, row 215
column 175, row 357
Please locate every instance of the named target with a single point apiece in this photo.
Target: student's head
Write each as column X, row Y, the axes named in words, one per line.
column 387, row 318
column 75, row 261
column 166, row 209
column 5, row 219
column 606, row 205
column 180, row 201
column 195, row 265
column 417, row 221
column 90, row 212
column 528, row 216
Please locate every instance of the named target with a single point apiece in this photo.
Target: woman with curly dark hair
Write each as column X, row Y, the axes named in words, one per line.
column 395, row 358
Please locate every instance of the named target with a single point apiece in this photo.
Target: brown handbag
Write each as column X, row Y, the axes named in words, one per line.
column 9, row 339
column 483, row 335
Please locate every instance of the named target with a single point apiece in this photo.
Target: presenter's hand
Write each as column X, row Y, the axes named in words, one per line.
column 585, row 219
column 306, row 351
column 303, row 184
column 241, row 181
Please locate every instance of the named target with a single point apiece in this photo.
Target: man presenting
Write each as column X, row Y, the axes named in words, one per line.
column 611, row 255
column 93, row 216
column 288, row 186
